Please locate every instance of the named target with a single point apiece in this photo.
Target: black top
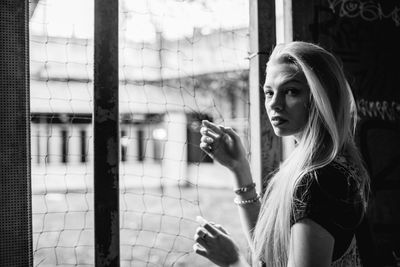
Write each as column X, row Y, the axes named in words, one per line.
column 331, row 197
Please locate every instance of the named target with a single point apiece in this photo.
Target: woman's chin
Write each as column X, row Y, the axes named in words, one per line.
column 280, row 132
column 284, row 132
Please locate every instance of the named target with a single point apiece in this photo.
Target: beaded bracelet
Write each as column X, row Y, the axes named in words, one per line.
column 246, row 201
column 245, row 188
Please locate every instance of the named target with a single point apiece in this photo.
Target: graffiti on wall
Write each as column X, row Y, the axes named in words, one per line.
column 383, row 110
column 368, row 10
column 364, row 39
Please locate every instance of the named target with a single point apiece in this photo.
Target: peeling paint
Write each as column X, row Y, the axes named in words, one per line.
column 103, row 115
column 112, row 155
column 112, row 252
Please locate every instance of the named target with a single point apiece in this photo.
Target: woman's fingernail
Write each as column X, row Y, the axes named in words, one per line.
column 201, row 220
column 213, row 134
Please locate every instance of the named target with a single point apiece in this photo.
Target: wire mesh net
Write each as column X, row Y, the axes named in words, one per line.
column 61, row 71
column 180, row 62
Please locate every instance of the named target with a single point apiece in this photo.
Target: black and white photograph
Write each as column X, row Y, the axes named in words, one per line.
column 233, row 133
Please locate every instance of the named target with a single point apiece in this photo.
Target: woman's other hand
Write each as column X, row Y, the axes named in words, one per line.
column 214, row 243
column 224, row 145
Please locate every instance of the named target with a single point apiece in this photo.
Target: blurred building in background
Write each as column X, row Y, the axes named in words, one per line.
column 167, row 86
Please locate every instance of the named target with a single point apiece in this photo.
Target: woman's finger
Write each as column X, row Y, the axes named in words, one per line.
column 211, row 229
column 213, row 127
column 206, row 148
column 199, row 250
column 204, row 131
column 230, row 131
column 219, row 227
column 206, row 225
column 206, row 139
column 222, row 229
column 202, row 237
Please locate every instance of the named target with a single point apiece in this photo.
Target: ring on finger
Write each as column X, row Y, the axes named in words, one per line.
column 203, row 235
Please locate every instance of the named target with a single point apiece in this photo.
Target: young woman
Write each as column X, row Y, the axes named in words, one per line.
column 315, row 201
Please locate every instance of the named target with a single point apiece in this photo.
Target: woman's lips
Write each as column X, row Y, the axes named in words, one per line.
column 277, row 121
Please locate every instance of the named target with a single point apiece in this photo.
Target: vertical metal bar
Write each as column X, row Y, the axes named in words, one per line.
column 15, row 165
column 106, row 134
column 284, row 34
column 265, row 146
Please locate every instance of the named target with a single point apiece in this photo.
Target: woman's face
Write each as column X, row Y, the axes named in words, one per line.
column 286, row 99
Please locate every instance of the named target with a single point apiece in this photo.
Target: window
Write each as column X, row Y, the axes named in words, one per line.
column 64, row 146
column 195, row 154
column 140, row 144
column 124, row 145
column 83, row 146
column 159, row 139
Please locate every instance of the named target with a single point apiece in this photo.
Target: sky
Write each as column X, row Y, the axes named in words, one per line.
column 140, row 19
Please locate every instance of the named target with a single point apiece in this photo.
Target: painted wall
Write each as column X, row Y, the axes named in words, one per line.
column 365, row 35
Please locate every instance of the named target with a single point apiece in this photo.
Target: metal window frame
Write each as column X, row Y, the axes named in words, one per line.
column 15, row 162
column 265, row 145
column 106, row 134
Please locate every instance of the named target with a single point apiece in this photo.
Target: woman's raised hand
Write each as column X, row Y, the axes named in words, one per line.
column 223, row 144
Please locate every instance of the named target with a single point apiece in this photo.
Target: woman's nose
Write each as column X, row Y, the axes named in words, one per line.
column 276, row 102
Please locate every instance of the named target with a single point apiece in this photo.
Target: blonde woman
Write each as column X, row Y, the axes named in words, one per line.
column 315, row 201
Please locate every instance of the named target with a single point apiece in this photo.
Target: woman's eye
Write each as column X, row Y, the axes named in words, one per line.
column 292, row 91
column 269, row 93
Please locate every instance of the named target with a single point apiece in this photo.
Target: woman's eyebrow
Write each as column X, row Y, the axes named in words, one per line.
column 266, row 87
column 290, row 80
column 284, row 82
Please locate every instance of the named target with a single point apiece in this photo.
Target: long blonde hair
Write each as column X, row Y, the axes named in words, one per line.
column 328, row 132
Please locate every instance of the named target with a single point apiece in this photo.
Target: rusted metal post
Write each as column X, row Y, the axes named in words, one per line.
column 106, row 134
column 265, row 146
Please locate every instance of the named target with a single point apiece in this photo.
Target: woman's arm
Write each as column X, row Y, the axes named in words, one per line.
column 248, row 212
column 311, row 245
column 224, row 145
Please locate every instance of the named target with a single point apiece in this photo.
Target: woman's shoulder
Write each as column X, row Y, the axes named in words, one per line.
column 332, row 191
column 332, row 197
column 337, row 180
